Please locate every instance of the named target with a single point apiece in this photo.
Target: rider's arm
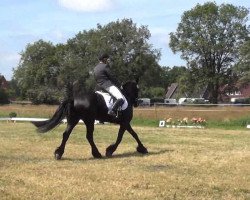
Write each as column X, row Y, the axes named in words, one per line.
column 112, row 77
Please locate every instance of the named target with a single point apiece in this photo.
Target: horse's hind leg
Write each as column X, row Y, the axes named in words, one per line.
column 140, row 147
column 60, row 150
column 110, row 150
column 89, row 136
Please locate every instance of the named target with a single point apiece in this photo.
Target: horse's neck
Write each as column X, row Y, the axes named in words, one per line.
column 128, row 98
column 125, row 94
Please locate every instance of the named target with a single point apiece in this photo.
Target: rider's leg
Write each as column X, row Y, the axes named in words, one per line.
column 115, row 107
column 120, row 99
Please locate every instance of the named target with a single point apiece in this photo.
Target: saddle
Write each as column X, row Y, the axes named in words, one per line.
column 109, row 100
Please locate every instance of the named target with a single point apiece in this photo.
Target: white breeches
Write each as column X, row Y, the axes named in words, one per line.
column 118, row 95
column 115, row 92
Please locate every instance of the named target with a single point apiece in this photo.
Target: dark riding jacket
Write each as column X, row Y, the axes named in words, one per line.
column 104, row 76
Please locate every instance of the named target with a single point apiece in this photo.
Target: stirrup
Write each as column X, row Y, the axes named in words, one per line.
column 112, row 113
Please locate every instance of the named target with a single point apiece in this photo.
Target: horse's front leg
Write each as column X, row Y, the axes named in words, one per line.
column 89, row 136
column 111, row 149
column 140, row 147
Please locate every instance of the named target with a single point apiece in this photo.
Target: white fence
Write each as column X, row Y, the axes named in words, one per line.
column 196, row 104
column 25, row 119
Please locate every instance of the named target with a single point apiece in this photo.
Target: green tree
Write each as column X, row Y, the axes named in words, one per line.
column 209, row 38
column 243, row 67
column 13, row 90
column 172, row 74
column 127, row 44
column 4, row 99
column 45, row 67
column 37, row 68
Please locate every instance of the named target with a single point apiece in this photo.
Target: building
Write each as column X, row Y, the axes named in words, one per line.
column 173, row 92
column 3, row 83
column 235, row 92
column 226, row 92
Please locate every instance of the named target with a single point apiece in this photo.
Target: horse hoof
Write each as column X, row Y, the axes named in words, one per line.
column 109, row 154
column 58, row 156
column 142, row 149
column 110, row 150
column 97, row 155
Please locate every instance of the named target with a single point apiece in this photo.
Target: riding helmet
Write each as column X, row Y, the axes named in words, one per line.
column 103, row 56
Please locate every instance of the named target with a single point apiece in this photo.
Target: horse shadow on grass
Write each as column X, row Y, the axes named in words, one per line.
column 136, row 154
column 123, row 155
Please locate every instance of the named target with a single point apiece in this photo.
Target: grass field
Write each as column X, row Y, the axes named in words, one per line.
column 219, row 113
column 181, row 164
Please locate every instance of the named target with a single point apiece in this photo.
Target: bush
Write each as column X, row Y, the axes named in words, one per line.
column 43, row 96
column 153, row 92
column 12, row 114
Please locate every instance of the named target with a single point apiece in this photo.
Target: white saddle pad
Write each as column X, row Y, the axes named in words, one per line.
column 109, row 100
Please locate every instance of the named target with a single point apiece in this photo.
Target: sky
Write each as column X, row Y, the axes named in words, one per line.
column 27, row 21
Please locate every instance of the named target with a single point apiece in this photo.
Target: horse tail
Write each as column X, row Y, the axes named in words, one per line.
column 47, row 125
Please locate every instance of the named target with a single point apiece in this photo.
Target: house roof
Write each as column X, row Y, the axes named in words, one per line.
column 201, row 92
column 171, row 90
column 198, row 93
column 245, row 90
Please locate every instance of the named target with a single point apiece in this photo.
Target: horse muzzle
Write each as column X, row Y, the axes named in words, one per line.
column 137, row 102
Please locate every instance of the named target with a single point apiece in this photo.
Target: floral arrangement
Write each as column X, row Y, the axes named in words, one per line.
column 185, row 121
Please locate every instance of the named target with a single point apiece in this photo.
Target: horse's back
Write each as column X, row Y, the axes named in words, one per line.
column 85, row 101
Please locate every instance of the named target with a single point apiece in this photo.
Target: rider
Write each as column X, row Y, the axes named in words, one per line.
column 107, row 81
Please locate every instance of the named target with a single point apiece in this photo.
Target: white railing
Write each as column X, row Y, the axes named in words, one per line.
column 26, row 119
column 203, row 104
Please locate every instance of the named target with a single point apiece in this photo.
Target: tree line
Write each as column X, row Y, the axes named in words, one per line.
column 213, row 39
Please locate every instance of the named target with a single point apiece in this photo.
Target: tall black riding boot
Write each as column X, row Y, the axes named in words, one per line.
column 115, row 106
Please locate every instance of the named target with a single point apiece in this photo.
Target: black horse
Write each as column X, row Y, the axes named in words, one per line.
column 88, row 108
